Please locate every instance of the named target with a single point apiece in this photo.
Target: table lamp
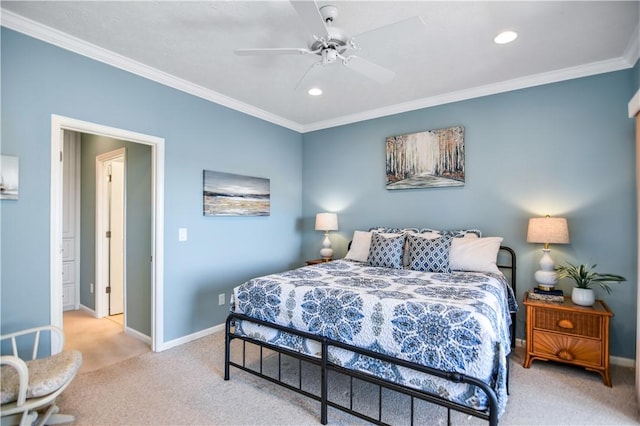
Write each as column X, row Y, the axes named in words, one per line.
column 547, row 230
column 326, row 222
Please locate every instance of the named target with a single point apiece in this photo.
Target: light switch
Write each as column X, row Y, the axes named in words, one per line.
column 182, row 234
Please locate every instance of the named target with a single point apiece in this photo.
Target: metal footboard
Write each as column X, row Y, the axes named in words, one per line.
column 491, row 414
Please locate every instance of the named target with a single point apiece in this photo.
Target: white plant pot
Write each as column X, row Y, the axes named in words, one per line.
column 583, row 296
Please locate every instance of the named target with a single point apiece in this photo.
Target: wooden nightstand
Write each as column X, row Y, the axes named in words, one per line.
column 569, row 333
column 316, row 261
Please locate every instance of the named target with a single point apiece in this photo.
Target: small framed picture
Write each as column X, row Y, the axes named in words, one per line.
column 8, row 177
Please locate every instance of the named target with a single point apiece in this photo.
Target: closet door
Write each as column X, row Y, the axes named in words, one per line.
column 70, row 221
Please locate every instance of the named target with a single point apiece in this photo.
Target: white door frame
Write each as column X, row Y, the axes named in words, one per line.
column 58, row 125
column 102, row 246
column 634, row 111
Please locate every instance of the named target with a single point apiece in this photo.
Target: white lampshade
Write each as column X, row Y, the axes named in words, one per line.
column 326, row 222
column 547, row 230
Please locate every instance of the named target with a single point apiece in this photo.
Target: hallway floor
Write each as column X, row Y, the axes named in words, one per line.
column 102, row 341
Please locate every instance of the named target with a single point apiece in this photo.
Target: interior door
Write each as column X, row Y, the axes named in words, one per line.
column 116, row 240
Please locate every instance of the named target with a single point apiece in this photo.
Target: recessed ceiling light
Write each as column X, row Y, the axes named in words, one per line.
column 315, row 91
column 505, row 37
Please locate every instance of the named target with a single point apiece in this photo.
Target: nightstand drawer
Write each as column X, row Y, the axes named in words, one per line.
column 577, row 324
column 564, row 348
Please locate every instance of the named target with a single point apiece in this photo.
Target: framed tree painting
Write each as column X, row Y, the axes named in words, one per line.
column 433, row 158
column 228, row 194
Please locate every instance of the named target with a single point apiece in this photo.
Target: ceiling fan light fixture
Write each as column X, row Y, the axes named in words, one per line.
column 315, row 91
column 505, row 37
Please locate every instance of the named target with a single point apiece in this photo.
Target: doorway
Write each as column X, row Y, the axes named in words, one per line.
column 61, row 124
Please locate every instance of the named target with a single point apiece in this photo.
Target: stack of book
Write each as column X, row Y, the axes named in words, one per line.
column 554, row 296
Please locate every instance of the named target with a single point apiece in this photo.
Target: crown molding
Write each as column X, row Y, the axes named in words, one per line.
column 63, row 40
column 73, row 44
column 477, row 92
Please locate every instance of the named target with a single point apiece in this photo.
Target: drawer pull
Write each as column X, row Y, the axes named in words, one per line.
column 565, row 355
column 565, row 323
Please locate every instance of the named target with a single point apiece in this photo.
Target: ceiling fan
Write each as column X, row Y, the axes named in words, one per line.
column 331, row 43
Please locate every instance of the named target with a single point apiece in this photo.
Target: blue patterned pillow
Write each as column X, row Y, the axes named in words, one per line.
column 429, row 255
column 386, row 252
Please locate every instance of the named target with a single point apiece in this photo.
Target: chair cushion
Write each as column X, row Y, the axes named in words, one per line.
column 46, row 375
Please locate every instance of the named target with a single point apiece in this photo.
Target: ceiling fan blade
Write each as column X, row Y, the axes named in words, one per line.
column 273, row 51
column 407, row 28
column 369, row 69
column 314, row 65
column 308, row 11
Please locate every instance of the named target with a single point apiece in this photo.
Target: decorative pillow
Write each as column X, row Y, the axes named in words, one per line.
column 429, row 255
column 426, row 233
column 386, row 251
column 360, row 245
column 455, row 233
column 475, row 254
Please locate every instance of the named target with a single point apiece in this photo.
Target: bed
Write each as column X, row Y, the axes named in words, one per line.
column 423, row 312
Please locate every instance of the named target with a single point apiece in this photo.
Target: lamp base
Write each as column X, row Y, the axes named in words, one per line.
column 544, row 287
column 326, row 252
column 546, row 276
column 546, row 279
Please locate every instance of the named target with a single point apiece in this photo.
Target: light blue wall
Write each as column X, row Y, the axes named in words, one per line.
column 564, row 149
column 39, row 80
column 138, row 226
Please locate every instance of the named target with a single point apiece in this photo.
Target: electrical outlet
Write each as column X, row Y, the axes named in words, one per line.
column 91, row 287
column 221, row 299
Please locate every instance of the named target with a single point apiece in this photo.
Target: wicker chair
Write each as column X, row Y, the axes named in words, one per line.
column 29, row 388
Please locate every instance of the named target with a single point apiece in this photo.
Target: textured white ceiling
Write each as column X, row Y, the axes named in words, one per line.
column 452, row 57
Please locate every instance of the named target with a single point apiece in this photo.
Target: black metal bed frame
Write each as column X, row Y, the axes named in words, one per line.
column 490, row 414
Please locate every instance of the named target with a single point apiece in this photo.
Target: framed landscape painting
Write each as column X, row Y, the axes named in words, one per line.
column 228, row 194
column 434, row 158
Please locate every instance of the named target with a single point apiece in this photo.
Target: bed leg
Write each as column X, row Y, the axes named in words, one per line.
column 508, row 371
column 227, row 347
column 325, row 383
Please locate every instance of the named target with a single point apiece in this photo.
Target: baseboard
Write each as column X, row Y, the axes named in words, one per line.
column 613, row 360
column 137, row 335
column 87, row 310
column 191, row 337
column 622, row 362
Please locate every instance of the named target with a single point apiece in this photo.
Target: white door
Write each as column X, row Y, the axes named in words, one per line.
column 116, row 240
column 110, row 233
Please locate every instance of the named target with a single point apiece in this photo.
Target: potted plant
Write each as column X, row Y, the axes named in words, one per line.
column 584, row 276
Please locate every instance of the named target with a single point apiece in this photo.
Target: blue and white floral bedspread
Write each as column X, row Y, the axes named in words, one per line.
column 455, row 322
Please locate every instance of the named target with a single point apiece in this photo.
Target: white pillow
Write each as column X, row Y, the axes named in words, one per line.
column 475, row 254
column 360, row 244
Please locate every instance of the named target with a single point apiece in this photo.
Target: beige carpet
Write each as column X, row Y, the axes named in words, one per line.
column 101, row 340
column 184, row 385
